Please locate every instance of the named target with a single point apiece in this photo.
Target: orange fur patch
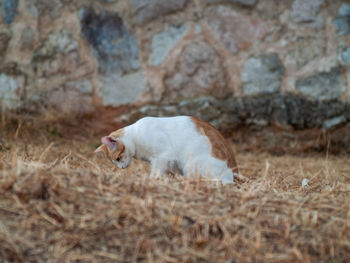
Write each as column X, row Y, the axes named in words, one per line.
column 219, row 146
column 119, row 149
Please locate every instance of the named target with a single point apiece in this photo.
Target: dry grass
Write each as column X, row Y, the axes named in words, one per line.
column 60, row 203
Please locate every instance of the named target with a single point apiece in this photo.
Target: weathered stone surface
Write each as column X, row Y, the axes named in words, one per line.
column 334, row 122
column 37, row 7
column 11, row 91
column 70, row 101
column 345, row 54
column 28, row 38
column 59, row 53
column 285, row 110
column 83, row 86
column 268, row 9
column 198, row 72
column 304, row 50
column 262, row 74
column 236, row 31
column 164, row 42
column 305, row 11
column 114, row 45
column 145, row 10
column 4, row 40
column 122, row 89
column 117, row 52
column 242, row 2
column 324, row 85
column 342, row 21
column 9, row 10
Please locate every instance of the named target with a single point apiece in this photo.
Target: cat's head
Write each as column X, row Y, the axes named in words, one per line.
column 115, row 150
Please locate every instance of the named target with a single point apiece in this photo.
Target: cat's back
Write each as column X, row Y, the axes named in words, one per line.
column 171, row 125
column 188, row 132
column 220, row 148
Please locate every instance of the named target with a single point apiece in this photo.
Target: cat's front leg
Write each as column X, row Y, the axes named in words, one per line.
column 159, row 167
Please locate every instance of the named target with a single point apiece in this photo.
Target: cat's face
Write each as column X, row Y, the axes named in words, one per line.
column 115, row 150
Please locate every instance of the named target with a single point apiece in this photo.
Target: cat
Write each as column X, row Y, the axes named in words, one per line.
column 182, row 144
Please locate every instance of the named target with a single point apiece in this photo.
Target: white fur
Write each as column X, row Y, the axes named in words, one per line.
column 173, row 144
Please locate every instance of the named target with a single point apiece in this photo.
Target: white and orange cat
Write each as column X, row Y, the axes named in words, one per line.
column 181, row 144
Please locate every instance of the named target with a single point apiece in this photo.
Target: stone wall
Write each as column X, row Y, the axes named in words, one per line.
column 229, row 61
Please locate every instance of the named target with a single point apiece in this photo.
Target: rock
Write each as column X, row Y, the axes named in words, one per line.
column 37, row 7
column 242, row 2
column 83, row 86
column 69, row 101
column 58, row 42
column 334, row 122
column 272, row 9
column 262, row 74
column 9, row 10
column 117, row 52
column 342, row 21
column 144, row 11
column 303, row 50
column 122, row 89
column 285, row 110
column 4, row 41
column 114, row 45
column 11, row 91
column 28, row 38
column 236, row 31
column 164, row 42
column 305, row 11
column 345, row 55
column 199, row 71
column 324, row 85
column 73, row 97
column 59, row 53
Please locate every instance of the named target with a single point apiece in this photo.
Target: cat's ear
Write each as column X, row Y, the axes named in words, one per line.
column 102, row 148
column 110, row 142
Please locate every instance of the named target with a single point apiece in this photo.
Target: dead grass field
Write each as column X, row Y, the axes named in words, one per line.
column 60, row 203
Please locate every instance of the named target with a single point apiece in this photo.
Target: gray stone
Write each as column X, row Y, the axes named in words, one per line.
column 199, row 72
column 58, row 42
column 304, row 50
column 234, row 112
column 28, row 38
column 305, row 10
column 342, row 21
column 83, row 86
column 37, row 7
column 242, row 2
column 272, row 9
column 114, row 45
column 144, row 11
column 11, row 91
column 345, row 54
column 58, row 53
column 70, row 101
column 334, row 122
column 164, row 42
column 117, row 89
column 324, row 85
column 4, row 41
column 235, row 30
column 9, row 10
column 262, row 74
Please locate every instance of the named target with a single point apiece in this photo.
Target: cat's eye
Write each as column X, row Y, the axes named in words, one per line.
column 118, row 159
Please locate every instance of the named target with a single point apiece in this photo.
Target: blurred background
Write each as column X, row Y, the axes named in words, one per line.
column 276, row 70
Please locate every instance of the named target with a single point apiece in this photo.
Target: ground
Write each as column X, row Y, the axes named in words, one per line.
column 61, row 203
